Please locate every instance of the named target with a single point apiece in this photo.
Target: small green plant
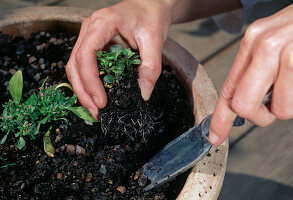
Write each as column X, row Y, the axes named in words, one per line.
column 5, row 164
column 24, row 118
column 112, row 64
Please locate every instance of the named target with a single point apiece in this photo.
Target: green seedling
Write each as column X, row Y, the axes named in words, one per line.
column 113, row 64
column 24, row 118
column 5, row 165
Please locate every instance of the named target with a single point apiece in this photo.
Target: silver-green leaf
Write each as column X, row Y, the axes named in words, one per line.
column 48, row 147
column 109, row 79
column 4, row 138
column 82, row 113
column 15, row 86
column 20, row 143
column 135, row 62
column 32, row 100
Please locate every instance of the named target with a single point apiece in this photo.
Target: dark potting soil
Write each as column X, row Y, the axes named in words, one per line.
column 92, row 161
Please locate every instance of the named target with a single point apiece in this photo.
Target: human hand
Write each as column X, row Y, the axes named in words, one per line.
column 264, row 59
column 143, row 24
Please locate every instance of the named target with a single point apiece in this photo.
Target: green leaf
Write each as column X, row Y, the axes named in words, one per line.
column 115, row 48
column 109, row 79
column 64, row 119
column 43, row 84
column 99, row 53
column 37, row 129
column 15, row 86
column 4, row 138
column 72, row 100
column 82, row 113
column 32, row 100
column 118, row 54
column 135, row 62
column 110, row 57
column 20, row 143
column 4, row 112
column 48, row 147
column 45, row 120
column 120, row 67
column 17, row 134
column 117, row 71
column 127, row 52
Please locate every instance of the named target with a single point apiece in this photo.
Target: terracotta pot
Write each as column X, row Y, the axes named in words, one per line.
column 206, row 178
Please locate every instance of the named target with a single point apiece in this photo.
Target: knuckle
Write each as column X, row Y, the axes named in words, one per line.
column 68, row 68
column 152, row 34
column 103, row 17
column 100, row 13
column 227, row 90
column 244, row 44
column 241, row 108
column 253, row 31
column 84, row 22
column 267, row 42
column 80, row 55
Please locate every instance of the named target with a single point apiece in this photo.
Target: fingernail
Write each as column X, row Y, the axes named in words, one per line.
column 96, row 100
column 146, row 88
column 93, row 113
column 213, row 138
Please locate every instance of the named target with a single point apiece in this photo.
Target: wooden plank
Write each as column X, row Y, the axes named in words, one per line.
column 11, row 4
column 260, row 166
column 90, row 4
column 201, row 37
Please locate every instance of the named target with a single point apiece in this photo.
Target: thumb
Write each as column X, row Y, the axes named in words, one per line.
column 150, row 50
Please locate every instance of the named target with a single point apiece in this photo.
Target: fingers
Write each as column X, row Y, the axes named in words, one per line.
column 248, row 81
column 253, row 72
column 150, row 50
column 94, row 39
column 282, row 105
column 73, row 75
column 223, row 117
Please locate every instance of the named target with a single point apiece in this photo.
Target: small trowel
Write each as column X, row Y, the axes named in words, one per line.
column 180, row 154
column 183, row 152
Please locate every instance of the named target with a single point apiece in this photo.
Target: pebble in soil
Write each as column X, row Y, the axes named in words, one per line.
column 99, row 161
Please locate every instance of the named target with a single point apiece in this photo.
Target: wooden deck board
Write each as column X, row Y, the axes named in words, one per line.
column 260, row 166
column 202, row 38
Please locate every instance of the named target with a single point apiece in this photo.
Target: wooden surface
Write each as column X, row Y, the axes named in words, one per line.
column 260, row 162
column 260, row 166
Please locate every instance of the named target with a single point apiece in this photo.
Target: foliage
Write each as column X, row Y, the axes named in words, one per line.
column 24, row 118
column 4, row 163
column 113, row 64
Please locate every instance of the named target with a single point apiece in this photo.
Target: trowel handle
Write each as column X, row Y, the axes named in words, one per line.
column 239, row 121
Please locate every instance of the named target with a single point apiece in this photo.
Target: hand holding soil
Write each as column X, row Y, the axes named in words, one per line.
column 143, row 24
